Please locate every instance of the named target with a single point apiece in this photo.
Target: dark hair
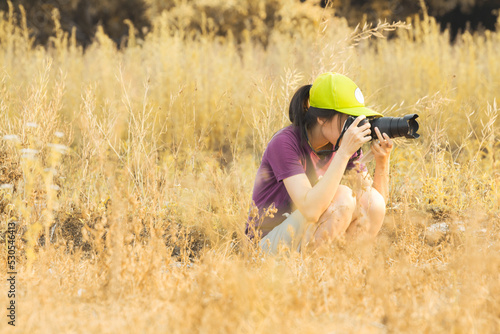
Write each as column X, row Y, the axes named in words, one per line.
column 303, row 117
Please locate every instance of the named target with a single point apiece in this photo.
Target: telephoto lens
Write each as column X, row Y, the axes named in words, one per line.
column 405, row 126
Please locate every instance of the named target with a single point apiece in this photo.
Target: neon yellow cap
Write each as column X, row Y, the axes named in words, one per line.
column 335, row 91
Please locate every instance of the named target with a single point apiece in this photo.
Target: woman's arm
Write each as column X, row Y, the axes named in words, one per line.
column 381, row 179
column 313, row 201
column 382, row 150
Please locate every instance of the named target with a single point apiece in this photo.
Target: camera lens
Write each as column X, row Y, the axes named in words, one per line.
column 405, row 126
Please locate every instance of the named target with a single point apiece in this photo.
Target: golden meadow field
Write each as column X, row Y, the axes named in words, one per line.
column 128, row 172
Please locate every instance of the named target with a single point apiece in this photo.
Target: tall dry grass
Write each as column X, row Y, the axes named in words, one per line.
column 129, row 176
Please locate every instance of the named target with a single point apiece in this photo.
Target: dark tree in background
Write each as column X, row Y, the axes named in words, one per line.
column 84, row 15
column 455, row 14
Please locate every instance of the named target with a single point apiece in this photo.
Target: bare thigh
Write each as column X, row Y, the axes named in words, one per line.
column 335, row 220
column 369, row 214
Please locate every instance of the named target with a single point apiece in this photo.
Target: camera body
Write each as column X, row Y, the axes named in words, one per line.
column 405, row 126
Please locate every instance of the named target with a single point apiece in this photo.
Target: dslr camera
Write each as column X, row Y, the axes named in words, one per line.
column 405, row 126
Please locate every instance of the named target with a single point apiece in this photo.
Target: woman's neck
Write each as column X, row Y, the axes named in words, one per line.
column 316, row 138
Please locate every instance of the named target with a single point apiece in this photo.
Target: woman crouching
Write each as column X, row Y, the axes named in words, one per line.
column 303, row 165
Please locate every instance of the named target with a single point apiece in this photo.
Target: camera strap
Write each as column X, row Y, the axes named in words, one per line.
column 321, row 153
column 337, row 144
column 344, row 129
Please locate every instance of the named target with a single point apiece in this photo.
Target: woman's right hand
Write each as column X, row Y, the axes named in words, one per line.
column 355, row 136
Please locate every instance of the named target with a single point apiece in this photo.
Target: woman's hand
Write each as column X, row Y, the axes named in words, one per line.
column 382, row 147
column 355, row 136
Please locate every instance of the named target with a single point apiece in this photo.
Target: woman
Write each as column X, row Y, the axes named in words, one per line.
column 298, row 191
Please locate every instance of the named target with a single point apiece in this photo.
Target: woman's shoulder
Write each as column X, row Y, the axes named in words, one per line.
column 289, row 132
column 286, row 138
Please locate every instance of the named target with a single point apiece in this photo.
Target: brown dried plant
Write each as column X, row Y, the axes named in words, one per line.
column 129, row 174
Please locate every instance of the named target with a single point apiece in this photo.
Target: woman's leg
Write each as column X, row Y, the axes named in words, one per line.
column 288, row 234
column 369, row 215
column 335, row 220
column 348, row 216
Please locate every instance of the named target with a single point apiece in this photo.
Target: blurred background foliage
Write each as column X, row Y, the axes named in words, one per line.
column 82, row 15
column 236, row 18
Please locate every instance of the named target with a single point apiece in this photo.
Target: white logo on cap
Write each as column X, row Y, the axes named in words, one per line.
column 359, row 96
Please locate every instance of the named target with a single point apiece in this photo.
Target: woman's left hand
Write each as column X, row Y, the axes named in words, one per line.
column 382, row 147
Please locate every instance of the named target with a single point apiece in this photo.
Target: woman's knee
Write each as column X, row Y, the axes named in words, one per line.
column 342, row 206
column 373, row 204
column 343, row 203
column 345, row 197
column 337, row 218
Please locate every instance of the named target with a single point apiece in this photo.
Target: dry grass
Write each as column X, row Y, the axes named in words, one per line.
column 129, row 173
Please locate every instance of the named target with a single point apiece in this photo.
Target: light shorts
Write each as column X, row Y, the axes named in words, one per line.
column 288, row 234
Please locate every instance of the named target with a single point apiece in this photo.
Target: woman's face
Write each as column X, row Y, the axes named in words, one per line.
column 331, row 129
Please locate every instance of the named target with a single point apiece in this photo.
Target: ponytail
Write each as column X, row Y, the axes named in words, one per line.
column 298, row 105
column 304, row 117
column 298, row 109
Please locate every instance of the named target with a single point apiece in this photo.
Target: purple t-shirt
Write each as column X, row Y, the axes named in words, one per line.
column 285, row 156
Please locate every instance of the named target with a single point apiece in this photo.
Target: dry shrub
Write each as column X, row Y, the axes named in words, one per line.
column 239, row 20
column 129, row 173
column 80, row 17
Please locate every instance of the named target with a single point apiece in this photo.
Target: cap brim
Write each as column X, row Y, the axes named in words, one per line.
column 358, row 111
